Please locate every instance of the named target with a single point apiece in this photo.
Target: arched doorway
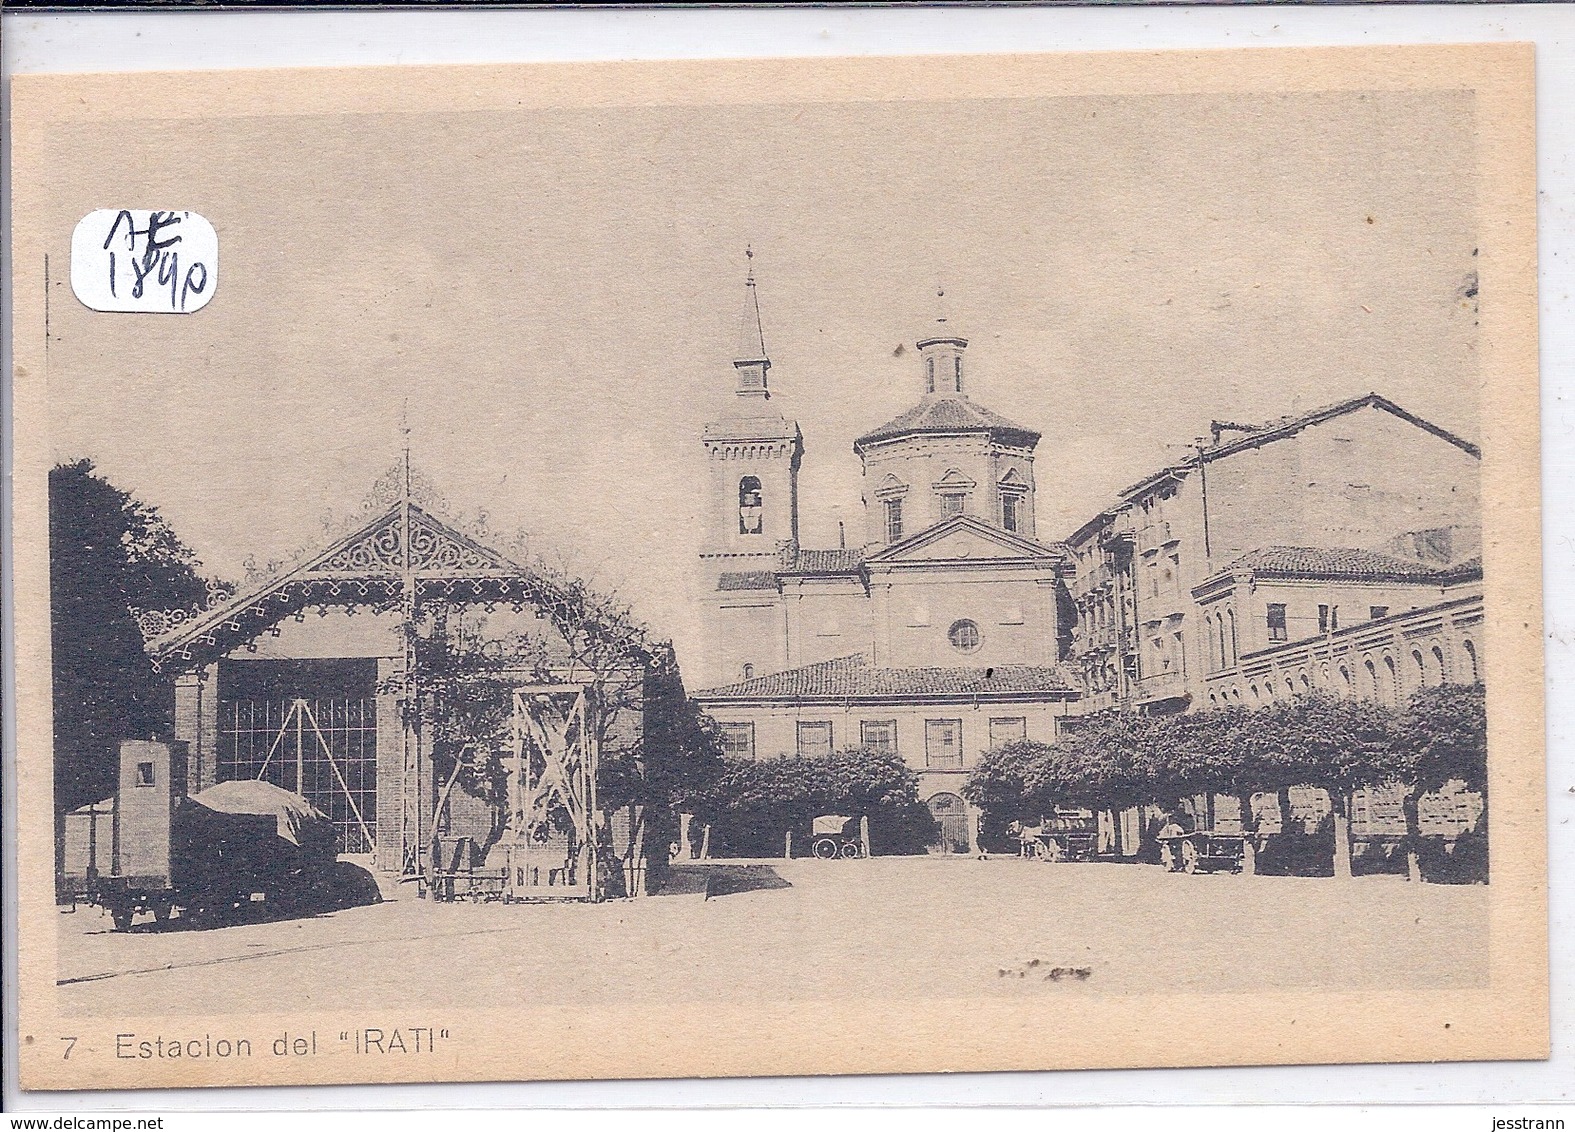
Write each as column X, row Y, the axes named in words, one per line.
column 951, row 812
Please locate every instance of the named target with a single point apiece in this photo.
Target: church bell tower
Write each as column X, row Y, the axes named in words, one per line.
column 753, row 454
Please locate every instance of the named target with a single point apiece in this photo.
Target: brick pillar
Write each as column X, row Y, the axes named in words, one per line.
column 188, row 724
column 197, row 724
column 390, row 764
column 209, row 713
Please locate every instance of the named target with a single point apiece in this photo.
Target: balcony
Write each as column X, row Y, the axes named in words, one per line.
column 1109, row 637
column 1169, row 604
column 1162, row 686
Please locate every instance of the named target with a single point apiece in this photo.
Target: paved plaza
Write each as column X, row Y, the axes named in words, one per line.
column 803, row 930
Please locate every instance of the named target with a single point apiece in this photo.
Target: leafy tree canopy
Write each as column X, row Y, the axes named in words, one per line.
column 998, row 783
column 1323, row 740
column 108, row 553
column 1445, row 729
column 1115, row 760
column 753, row 803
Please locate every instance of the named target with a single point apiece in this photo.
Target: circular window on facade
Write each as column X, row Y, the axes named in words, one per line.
column 963, row 635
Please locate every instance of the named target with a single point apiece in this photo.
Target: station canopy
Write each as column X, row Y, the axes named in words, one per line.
column 398, row 556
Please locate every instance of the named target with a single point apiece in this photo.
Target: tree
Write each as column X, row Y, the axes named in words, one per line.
column 463, row 680
column 682, row 746
column 1446, row 729
column 109, row 553
column 998, row 785
column 1445, row 735
column 1119, row 760
column 464, row 704
column 1112, row 761
column 1337, row 744
column 754, row 802
column 1107, row 762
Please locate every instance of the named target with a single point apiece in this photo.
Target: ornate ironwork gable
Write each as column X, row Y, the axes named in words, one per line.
column 404, row 556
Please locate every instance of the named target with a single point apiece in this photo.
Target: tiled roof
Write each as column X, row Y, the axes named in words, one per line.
column 794, row 560
column 852, row 677
column 949, row 414
column 1237, row 438
column 1343, row 562
column 748, row 580
column 773, row 426
column 1461, row 571
column 839, row 560
column 1284, row 426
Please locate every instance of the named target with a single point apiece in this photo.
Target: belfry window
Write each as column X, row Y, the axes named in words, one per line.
column 750, row 512
column 957, row 372
column 952, row 504
column 893, row 520
column 929, row 375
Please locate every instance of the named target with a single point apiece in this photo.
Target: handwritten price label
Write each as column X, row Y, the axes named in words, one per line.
column 147, row 260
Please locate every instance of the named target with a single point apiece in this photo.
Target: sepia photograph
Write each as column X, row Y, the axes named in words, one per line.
column 778, row 567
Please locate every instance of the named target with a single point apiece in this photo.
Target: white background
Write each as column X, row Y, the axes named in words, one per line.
column 206, row 40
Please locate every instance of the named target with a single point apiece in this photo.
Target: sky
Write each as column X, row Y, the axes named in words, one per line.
column 550, row 298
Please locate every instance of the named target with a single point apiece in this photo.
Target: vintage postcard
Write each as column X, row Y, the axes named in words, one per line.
column 778, row 567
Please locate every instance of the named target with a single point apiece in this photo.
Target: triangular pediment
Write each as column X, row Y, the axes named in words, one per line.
column 1013, row 478
column 954, row 479
column 965, row 538
column 384, row 549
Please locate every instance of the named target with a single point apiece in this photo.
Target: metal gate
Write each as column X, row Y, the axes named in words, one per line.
column 952, row 814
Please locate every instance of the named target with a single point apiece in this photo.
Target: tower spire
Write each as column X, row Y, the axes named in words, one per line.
column 404, row 434
column 751, row 361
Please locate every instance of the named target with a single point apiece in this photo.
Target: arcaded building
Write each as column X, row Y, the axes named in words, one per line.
column 1356, row 494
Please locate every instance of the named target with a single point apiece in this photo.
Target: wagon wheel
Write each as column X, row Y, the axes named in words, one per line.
column 1189, row 857
column 1167, row 857
column 850, row 850
column 825, row 848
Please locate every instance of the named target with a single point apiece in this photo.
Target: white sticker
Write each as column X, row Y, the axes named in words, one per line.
column 140, row 259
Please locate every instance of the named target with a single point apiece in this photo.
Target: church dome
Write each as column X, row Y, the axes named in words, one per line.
column 950, row 415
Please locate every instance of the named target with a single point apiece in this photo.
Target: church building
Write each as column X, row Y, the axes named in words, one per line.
column 937, row 636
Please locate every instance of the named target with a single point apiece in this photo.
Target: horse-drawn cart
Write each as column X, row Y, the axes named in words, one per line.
column 1201, row 851
column 1069, row 835
column 833, row 836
